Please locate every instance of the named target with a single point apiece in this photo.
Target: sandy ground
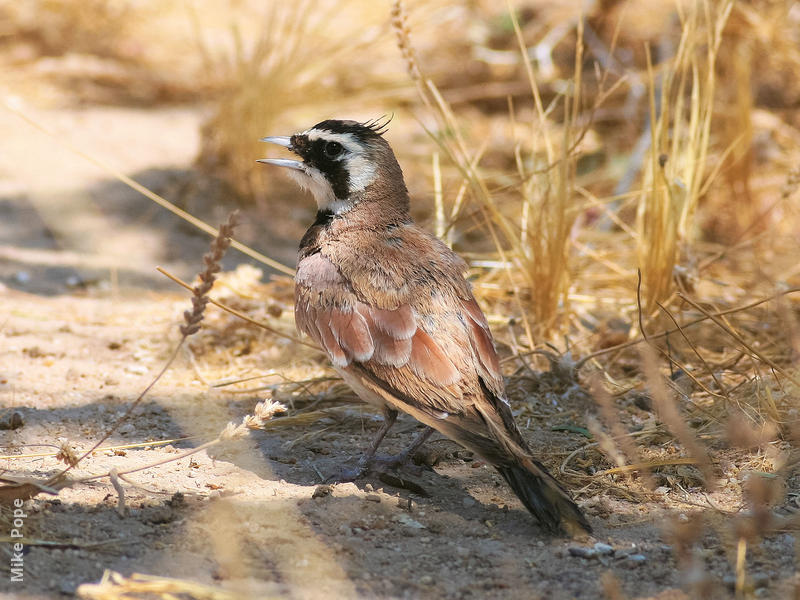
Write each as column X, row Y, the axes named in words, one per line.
column 85, row 323
column 247, row 515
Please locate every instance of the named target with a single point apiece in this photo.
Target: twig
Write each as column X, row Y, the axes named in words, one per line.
column 647, row 466
column 706, row 317
column 741, row 340
column 741, row 567
column 665, row 354
column 114, row 476
column 577, row 451
column 697, row 353
column 239, row 314
column 104, row 448
column 158, row 463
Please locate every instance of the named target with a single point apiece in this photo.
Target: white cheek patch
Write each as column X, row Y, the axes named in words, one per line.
column 361, row 170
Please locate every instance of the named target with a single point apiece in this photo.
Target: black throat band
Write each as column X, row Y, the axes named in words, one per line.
column 324, row 218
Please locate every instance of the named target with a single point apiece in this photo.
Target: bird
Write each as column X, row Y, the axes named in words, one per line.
column 389, row 304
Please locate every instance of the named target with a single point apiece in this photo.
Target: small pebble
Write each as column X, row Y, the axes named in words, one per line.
column 13, row 422
column 426, row 580
column 634, row 560
column 582, row 552
column 404, row 519
column 373, row 498
column 369, row 488
column 321, row 491
column 468, row 502
column 67, row 588
column 603, row 549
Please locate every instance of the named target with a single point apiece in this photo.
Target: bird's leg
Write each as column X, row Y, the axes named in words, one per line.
column 398, row 460
column 389, row 418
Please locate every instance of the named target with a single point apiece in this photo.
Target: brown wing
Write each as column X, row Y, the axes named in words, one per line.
column 352, row 331
column 480, row 338
column 414, row 356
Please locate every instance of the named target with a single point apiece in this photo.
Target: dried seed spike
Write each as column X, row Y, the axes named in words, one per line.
column 401, row 29
column 211, row 261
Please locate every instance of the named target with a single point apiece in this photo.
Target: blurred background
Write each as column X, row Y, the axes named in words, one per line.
column 528, row 146
column 610, row 170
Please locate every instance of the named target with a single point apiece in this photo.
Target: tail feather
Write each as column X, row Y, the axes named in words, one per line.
column 544, row 497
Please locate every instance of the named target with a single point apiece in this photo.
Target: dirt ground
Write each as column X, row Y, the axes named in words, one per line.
column 247, row 516
column 81, row 334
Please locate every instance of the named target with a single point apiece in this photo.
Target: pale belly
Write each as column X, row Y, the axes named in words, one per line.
column 362, row 391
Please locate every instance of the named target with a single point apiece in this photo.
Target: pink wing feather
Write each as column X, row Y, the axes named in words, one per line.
column 350, row 330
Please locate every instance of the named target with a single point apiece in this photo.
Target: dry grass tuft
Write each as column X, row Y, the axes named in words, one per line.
column 265, row 81
column 532, row 233
column 675, row 175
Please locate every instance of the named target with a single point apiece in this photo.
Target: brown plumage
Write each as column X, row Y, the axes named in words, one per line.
column 389, row 304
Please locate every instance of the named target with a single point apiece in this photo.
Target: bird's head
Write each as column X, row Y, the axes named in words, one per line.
column 344, row 163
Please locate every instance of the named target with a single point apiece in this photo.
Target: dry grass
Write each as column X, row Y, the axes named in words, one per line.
column 676, row 175
column 525, row 186
column 115, row 586
column 293, row 65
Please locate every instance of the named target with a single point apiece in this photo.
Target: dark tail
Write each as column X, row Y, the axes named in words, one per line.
column 544, row 497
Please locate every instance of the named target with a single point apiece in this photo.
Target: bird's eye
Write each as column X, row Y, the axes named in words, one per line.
column 333, row 149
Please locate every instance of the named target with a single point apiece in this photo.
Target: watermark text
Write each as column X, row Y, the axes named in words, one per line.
column 17, row 562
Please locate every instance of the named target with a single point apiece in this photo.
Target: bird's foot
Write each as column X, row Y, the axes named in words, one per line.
column 376, row 465
column 383, row 463
column 346, row 475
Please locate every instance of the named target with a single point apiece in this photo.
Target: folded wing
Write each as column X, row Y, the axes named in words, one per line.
column 386, row 339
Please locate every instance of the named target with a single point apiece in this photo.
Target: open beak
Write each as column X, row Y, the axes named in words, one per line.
column 286, row 142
